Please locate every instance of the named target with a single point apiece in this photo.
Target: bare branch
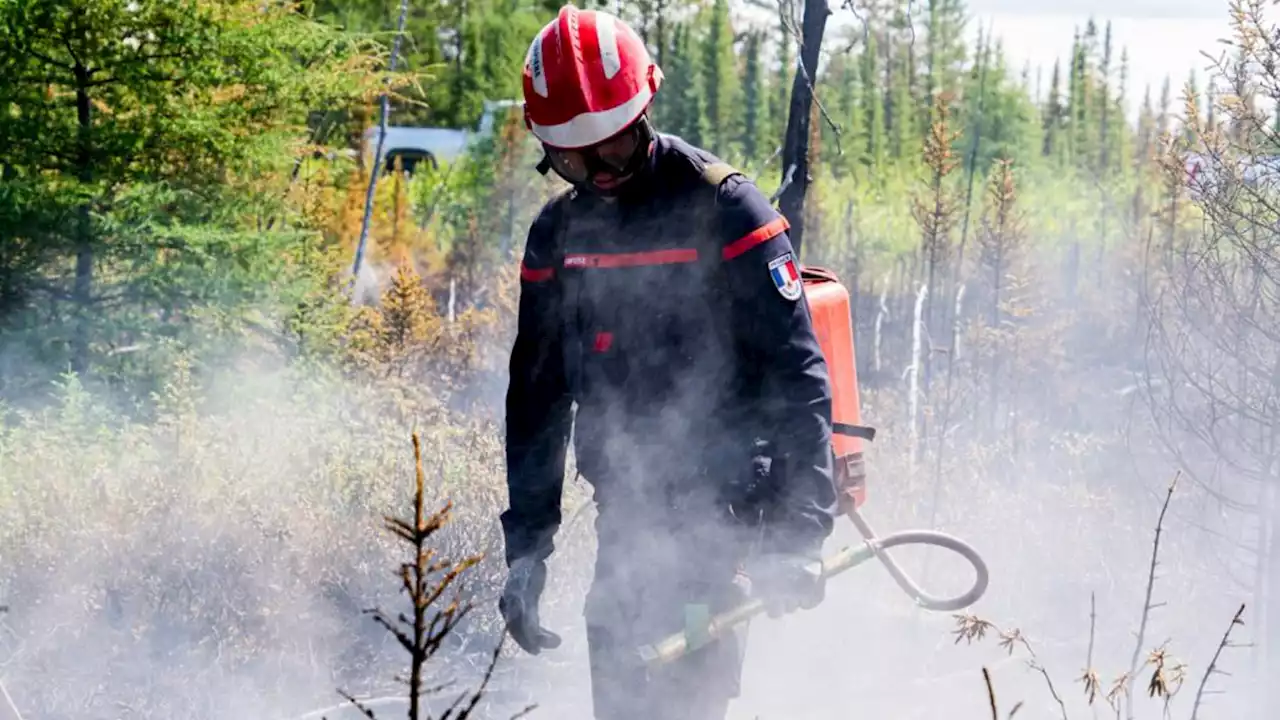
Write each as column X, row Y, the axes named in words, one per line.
column 1089, row 678
column 1147, row 606
column 1213, row 664
column 991, row 693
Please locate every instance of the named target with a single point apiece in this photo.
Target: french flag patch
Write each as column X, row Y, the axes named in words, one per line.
column 786, row 276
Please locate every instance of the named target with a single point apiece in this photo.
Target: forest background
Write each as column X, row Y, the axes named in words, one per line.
column 203, row 417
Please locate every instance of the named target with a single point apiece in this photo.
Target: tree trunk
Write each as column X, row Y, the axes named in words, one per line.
column 82, row 289
column 795, row 148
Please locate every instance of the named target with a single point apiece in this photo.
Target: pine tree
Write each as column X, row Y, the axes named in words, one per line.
column 662, row 112
column 668, row 107
column 849, row 112
column 459, row 89
column 1163, row 110
column 780, row 99
column 1077, row 104
column 873, row 103
column 163, row 129
column 852, row 142
column 506, row 29
column 1074, row 93
column 688, row 117
column 978, row 104
column 1011, row 122
column 660, row 34
column 1105, row 133
column 1053, row 112
column 752, row 98
column 1122, row 138
column 719, row 79
column 945, row 50
column 1146, row 132
column 423, row 24
column 839, row 86
column 467, row 82
column 906, row 139
column 1084, row 116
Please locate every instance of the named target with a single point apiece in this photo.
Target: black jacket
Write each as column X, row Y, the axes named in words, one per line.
column 660, row 316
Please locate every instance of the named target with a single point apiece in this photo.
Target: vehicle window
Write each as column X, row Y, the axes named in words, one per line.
column 408, row 160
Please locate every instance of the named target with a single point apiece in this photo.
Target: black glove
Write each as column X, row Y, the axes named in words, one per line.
column 519, row 606
column 748, row 495
column 786, row 582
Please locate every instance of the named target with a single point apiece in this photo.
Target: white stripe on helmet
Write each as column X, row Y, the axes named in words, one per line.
column 606, row 36
column 590, row 128
column 537, row 68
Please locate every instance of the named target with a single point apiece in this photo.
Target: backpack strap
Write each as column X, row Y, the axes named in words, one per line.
column 713, row 176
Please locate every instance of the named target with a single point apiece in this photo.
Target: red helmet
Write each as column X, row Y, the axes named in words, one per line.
column 587, row 77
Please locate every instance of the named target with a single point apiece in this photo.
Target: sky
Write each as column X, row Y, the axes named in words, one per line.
column 1163, row 37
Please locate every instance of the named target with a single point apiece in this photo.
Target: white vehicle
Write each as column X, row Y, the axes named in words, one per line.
column 411, row 145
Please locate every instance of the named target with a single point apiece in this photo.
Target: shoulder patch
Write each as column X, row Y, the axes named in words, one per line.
column 717, row 172
column 786, row 276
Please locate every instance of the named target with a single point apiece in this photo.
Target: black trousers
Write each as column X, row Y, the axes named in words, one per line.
column 649, row 567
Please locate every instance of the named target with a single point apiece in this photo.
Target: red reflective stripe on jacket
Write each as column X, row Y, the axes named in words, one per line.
column 656, row 257
column 765, row 232
column 536, row 274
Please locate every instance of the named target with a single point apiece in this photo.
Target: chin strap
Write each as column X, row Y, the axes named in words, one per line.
column 544, row 165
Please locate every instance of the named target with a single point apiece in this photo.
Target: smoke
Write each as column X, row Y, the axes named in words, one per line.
column 215, row 563
column 1053, row 548
column 1060, row 486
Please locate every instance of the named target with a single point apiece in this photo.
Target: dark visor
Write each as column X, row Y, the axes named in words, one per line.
column 611, row 156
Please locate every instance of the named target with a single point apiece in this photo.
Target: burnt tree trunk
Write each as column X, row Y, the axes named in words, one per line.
column 795, row 147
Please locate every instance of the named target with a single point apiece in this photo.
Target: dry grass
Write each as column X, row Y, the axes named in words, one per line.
column 1166, row 675
column 215, row 560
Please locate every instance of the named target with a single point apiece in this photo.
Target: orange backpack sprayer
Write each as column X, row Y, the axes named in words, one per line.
column 833, row 322
column 830, row 307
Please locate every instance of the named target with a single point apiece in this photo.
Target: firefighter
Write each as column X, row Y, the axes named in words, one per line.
column 662, row 320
